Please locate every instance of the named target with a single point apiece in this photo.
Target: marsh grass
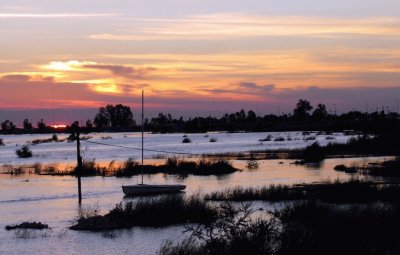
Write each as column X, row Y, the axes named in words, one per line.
column 352, row 191
column 28, row 225
column 270, row 193
column 89, row 211
column 174, row 165
column 152, row 212
column 9, row 169
column 390, row 168
column 384, row 144
column 309, row 227
column 53, row 138
column 317, row 228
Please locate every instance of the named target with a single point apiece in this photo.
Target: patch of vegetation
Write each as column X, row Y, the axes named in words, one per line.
column 54, row 138
column 37, row 168
column 270, row 193
column 346, row 169
column 232, row 233
column 313, row 153
column 310, row 138
column 9, row 169
column 27, row 225
column 213, row 140
column 89, row 211
column 381, row 144
column 390, row 168
column 301, row 228
column 72, row 137
column 51, row 170
column 186, row 140
column 384, row 144
column 266, row 139
column 91, row 168
column 175, row 166
column 217, row 166
column 252, row 164
column 316, row 228
column 352, row 191
column 279, row 139
column 24, row 152
column 129, row 168
column 152, row 212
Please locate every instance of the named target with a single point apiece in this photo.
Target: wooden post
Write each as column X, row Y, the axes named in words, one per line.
column 79, row 166
column 142, row 129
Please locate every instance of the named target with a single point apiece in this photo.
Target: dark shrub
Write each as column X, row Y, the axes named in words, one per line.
column 266, row 139
column 343, row 168
column 186, row 140
column 232, row 233
column 252, row 164
column 313, row 153
column 24, row 152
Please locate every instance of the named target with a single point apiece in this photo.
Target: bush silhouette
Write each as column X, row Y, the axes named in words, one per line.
column 24, row 152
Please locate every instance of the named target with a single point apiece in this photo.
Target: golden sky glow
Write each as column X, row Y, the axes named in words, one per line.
column 234, row 55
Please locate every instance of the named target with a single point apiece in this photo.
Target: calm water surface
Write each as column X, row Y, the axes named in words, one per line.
column 53, row 200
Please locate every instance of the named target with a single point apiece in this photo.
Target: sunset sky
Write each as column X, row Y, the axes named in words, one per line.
column 60, row 60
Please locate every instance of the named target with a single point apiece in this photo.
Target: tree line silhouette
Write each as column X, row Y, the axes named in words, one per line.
column 304, row 117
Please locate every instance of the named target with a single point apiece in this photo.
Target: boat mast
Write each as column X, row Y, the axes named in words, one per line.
column 142, row 130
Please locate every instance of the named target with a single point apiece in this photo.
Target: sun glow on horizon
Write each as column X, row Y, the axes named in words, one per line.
column 58, row 126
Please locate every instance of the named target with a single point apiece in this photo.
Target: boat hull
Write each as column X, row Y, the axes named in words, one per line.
column 151, row 189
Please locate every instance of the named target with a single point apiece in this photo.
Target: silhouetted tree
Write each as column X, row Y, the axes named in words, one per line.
column 114, row 116
column 302, row 110
column 89, row 124
column 241, row 116
column 102, row 118
column 319, row 113
column 7, row 126
column 75, row 126
column 41, row 125
column 251, row 116
column 27, row 125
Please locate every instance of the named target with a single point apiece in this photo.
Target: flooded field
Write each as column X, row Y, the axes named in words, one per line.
column 53, row 200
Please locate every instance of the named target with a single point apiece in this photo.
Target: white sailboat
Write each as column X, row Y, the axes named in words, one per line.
column 142, row 188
